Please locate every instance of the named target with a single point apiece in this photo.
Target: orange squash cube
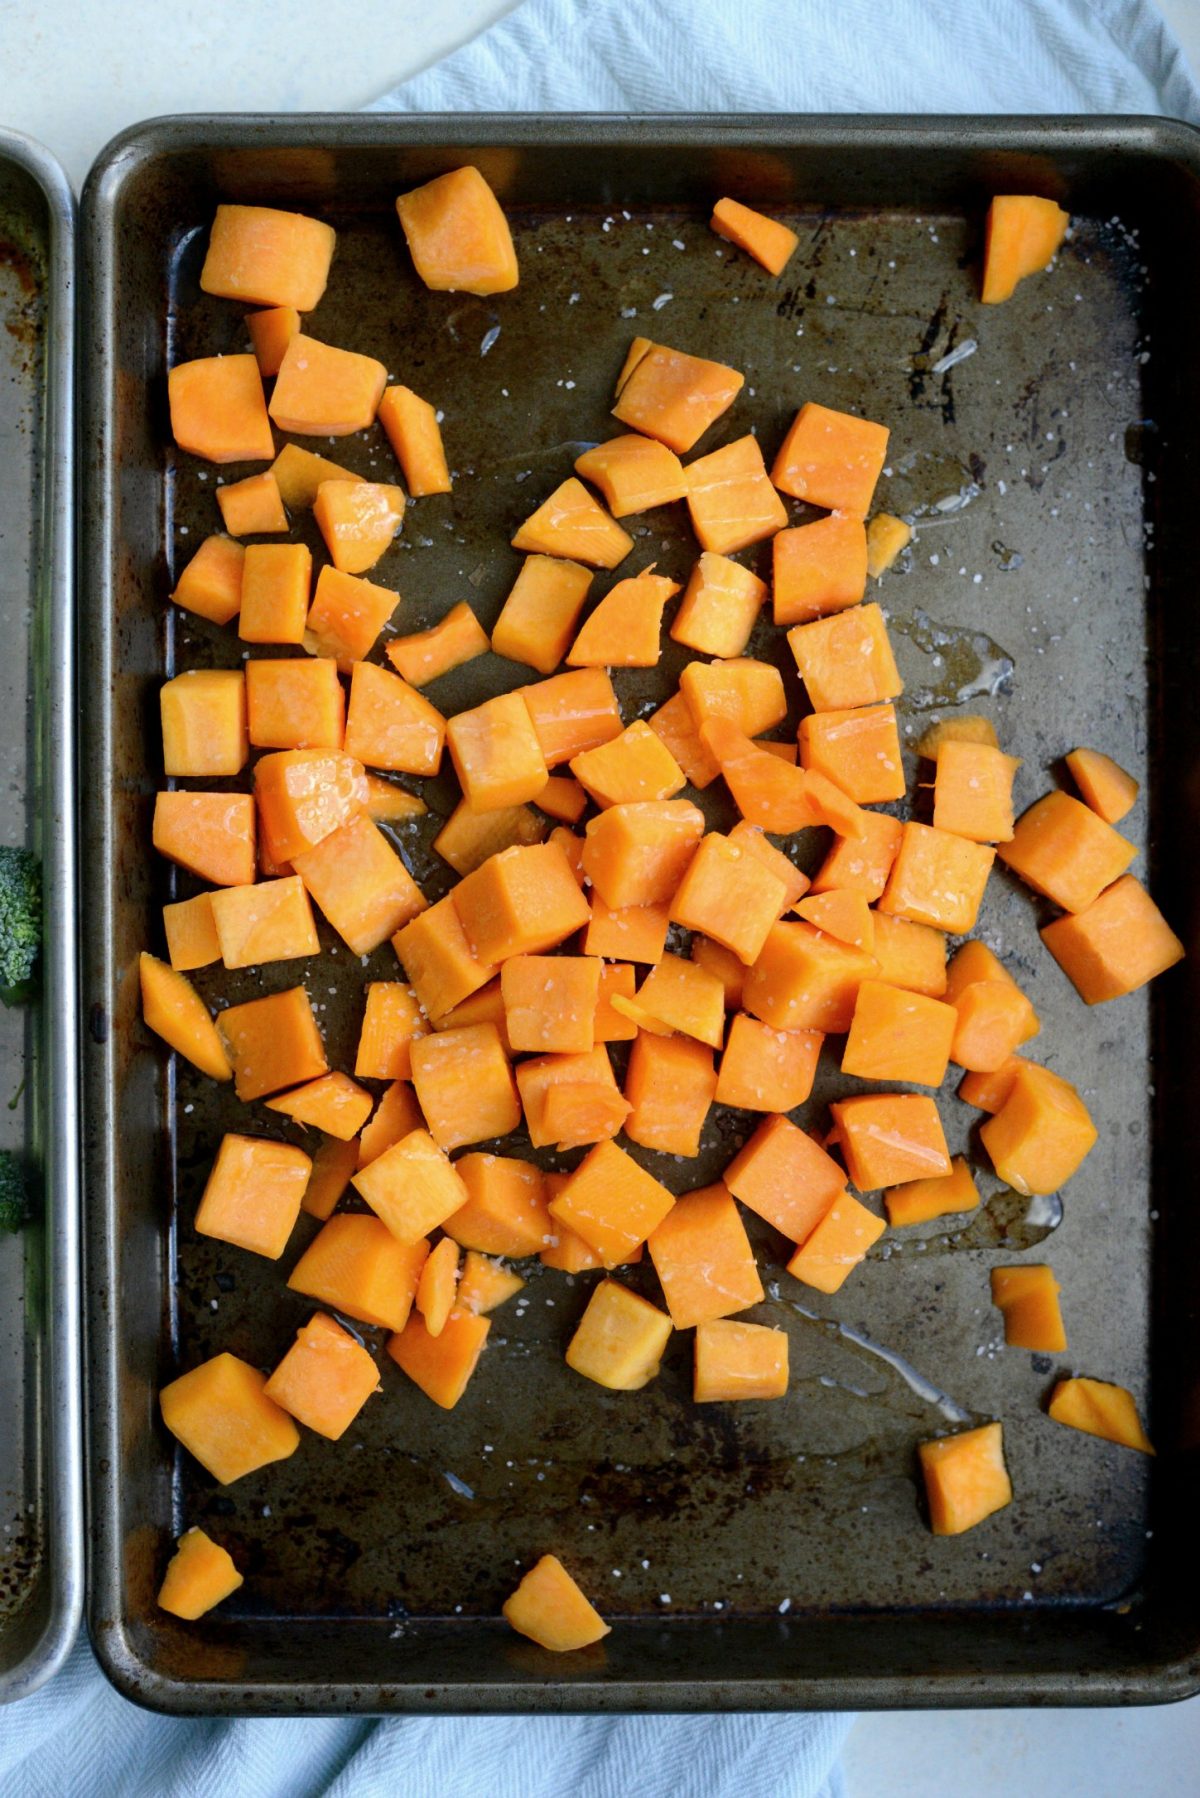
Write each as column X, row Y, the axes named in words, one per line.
column 221, row 1414
column 272, row 1043
column 595, row 1111
column 1041, row 1133
column 684, row 996
column 562, row 797
column 566, row 1249
column 457, row 234
column 944, row 1195
column 1100, row 1409
column 520, row 902
column 210, row 834
column 624, row 629
column 356, row 1266
column 859, row 750
column 703, row 1258
column 253, row 506
column 861, row 863
column 390, row 725
column 767, row 1070
column 192, row 940
column 748, row 693
column 673, row 397
column 174, row 1010
column 840, row 1241
column 634, row 473
column 572, row 712
column 304, row 795
column 771, row 792
column 360, row 884
column 496, row 753
column 199, row 1575
column 204, row 723
column 321, row 391
column 434, row 952
column 611, row 1202
column 637, row 933
column 571, row 524
column 988, row 1092
column 736, row 1360
column 438, row 1285
column 731, row 501
column 550, row 1609
column 1027, row 1298
column 211, row 584
column 538, row 619
column 637, row 854
column 972, row 792
column 1105, row 786
column 412, row 1187
column 831, row 459
column 333, row 1103
column 937, row 879
column 785, row 1178
column 464, row 1085
column 550, row 1002
column 300, row 472
column 266, row 257
column 1023, row 235
column 887, row 538
column 333, row 1162
column 847, row 916
column 910, row 955
column 441, row 1365
column 505, row 1211
column 275, row 584
column 619, row 1340
column 388, row 803
column 994, row 1016
column 818, row 568
column 965, row 1478
column 729, row 895
column 325, row 1378
column 469, row 838
column 396, row 1116
column 670, row 1086
column 1115, row 945
column 750, row 838
column 899, row 1035
column 413, row 431
column 219, row 411
column 720, row 607
column 391, row 1020
column 633, row 767
column 1062, row 849
column 295, row 704
column 358, row 520
column 804, row 979
column 846, row 660
column 890, row 1138
column 769, row 242
column 485, row 1284
column 252, row 1196
column 483, row 1007
column 270, row 333
column 674, row 725
column 426, row 655
column 347, row 614
column 270, row 921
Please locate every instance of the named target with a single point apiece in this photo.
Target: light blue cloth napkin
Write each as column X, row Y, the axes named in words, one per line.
column 77, row 1738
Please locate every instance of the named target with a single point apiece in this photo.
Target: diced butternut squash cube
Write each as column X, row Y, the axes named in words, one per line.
column 994, row 1016
column 396, row 1116
column 840, row 1241
column 674, row 725
column 720, row 607
column 321, row 391
column 703, row 1258
column 204, row 723
column 730, row 499
column 272, row 1043
column 1105, row 786
column 358, row 520
column 804, row 979
column 961, row 727
column 496, row 753
column 304, row 795
column 464, row 1085
column 772, row 793
column 360, row 884
column 1023, row 235
column 270, row 921
column 670, row 1086
column 633, row 932
column 550, row 1609
column 252, row 507
column 333, row 1162
column 785, row 1178
column 438, row 1285
column 550, row 1002
column 333, row 1103
column 1100, row 1409
column 210, row 834
column 846, row 660
column 625, row 628
column 890, row 1138
column 325, row 1378
column 275, row 584
column 413, row 431
column 520, row 902
column 300, row 473
column 295, row 704
column 637, row 854
column 505, row 1210
column 859, row 750
column 937, row 879
column 199, row 1575
column 390, row 725
column 221, row 1414
column 668, row 395
column 747, row 692
column 211, row 584
column 572, row 712
column 441, row 1365
column 539, row 618
column 754, row 841
column 434, row 952
column 770, row 243
column 847, row 916
column 863, row 862
column 1118, row 943
column 1062, row 849
column 831, row 459
column 391, row 1020
column 764, row 1069
column 270, row 333
column 898, row 1035
column 619, row 1340
column 347, row 612
column 1040, row 1134
column 485, row 1284
column 174, row 1010
column 887, row 539
column 356, row 1266
column 612, row 1202
column 729, row 895
column 412, row 1187
column 597, row 1105
column 910, row 955
column 634, row 473
column 388, row 803
column 972, row 793
column 920, row 1201
column 218, row 410
column 684, row 996
column 192, row 940
column 736, row 1360
column 457, row 234
column 469, row 838
column 633, row 767
column 562, row 797
column 818, row 568
column 426, row 655
column 483, row 1007
column 266, row 257
column 1027, row 1298
column 989, row 1091
column 573, row 525
column 965, row 1478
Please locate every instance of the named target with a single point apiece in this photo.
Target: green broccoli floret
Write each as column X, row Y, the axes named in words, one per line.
column 20, row 919
column 12, row 1193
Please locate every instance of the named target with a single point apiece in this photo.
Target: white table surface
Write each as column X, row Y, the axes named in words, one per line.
column 72, row 75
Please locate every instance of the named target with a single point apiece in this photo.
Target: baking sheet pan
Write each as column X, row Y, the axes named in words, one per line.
column 772, row 1556
column 41, row 1534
